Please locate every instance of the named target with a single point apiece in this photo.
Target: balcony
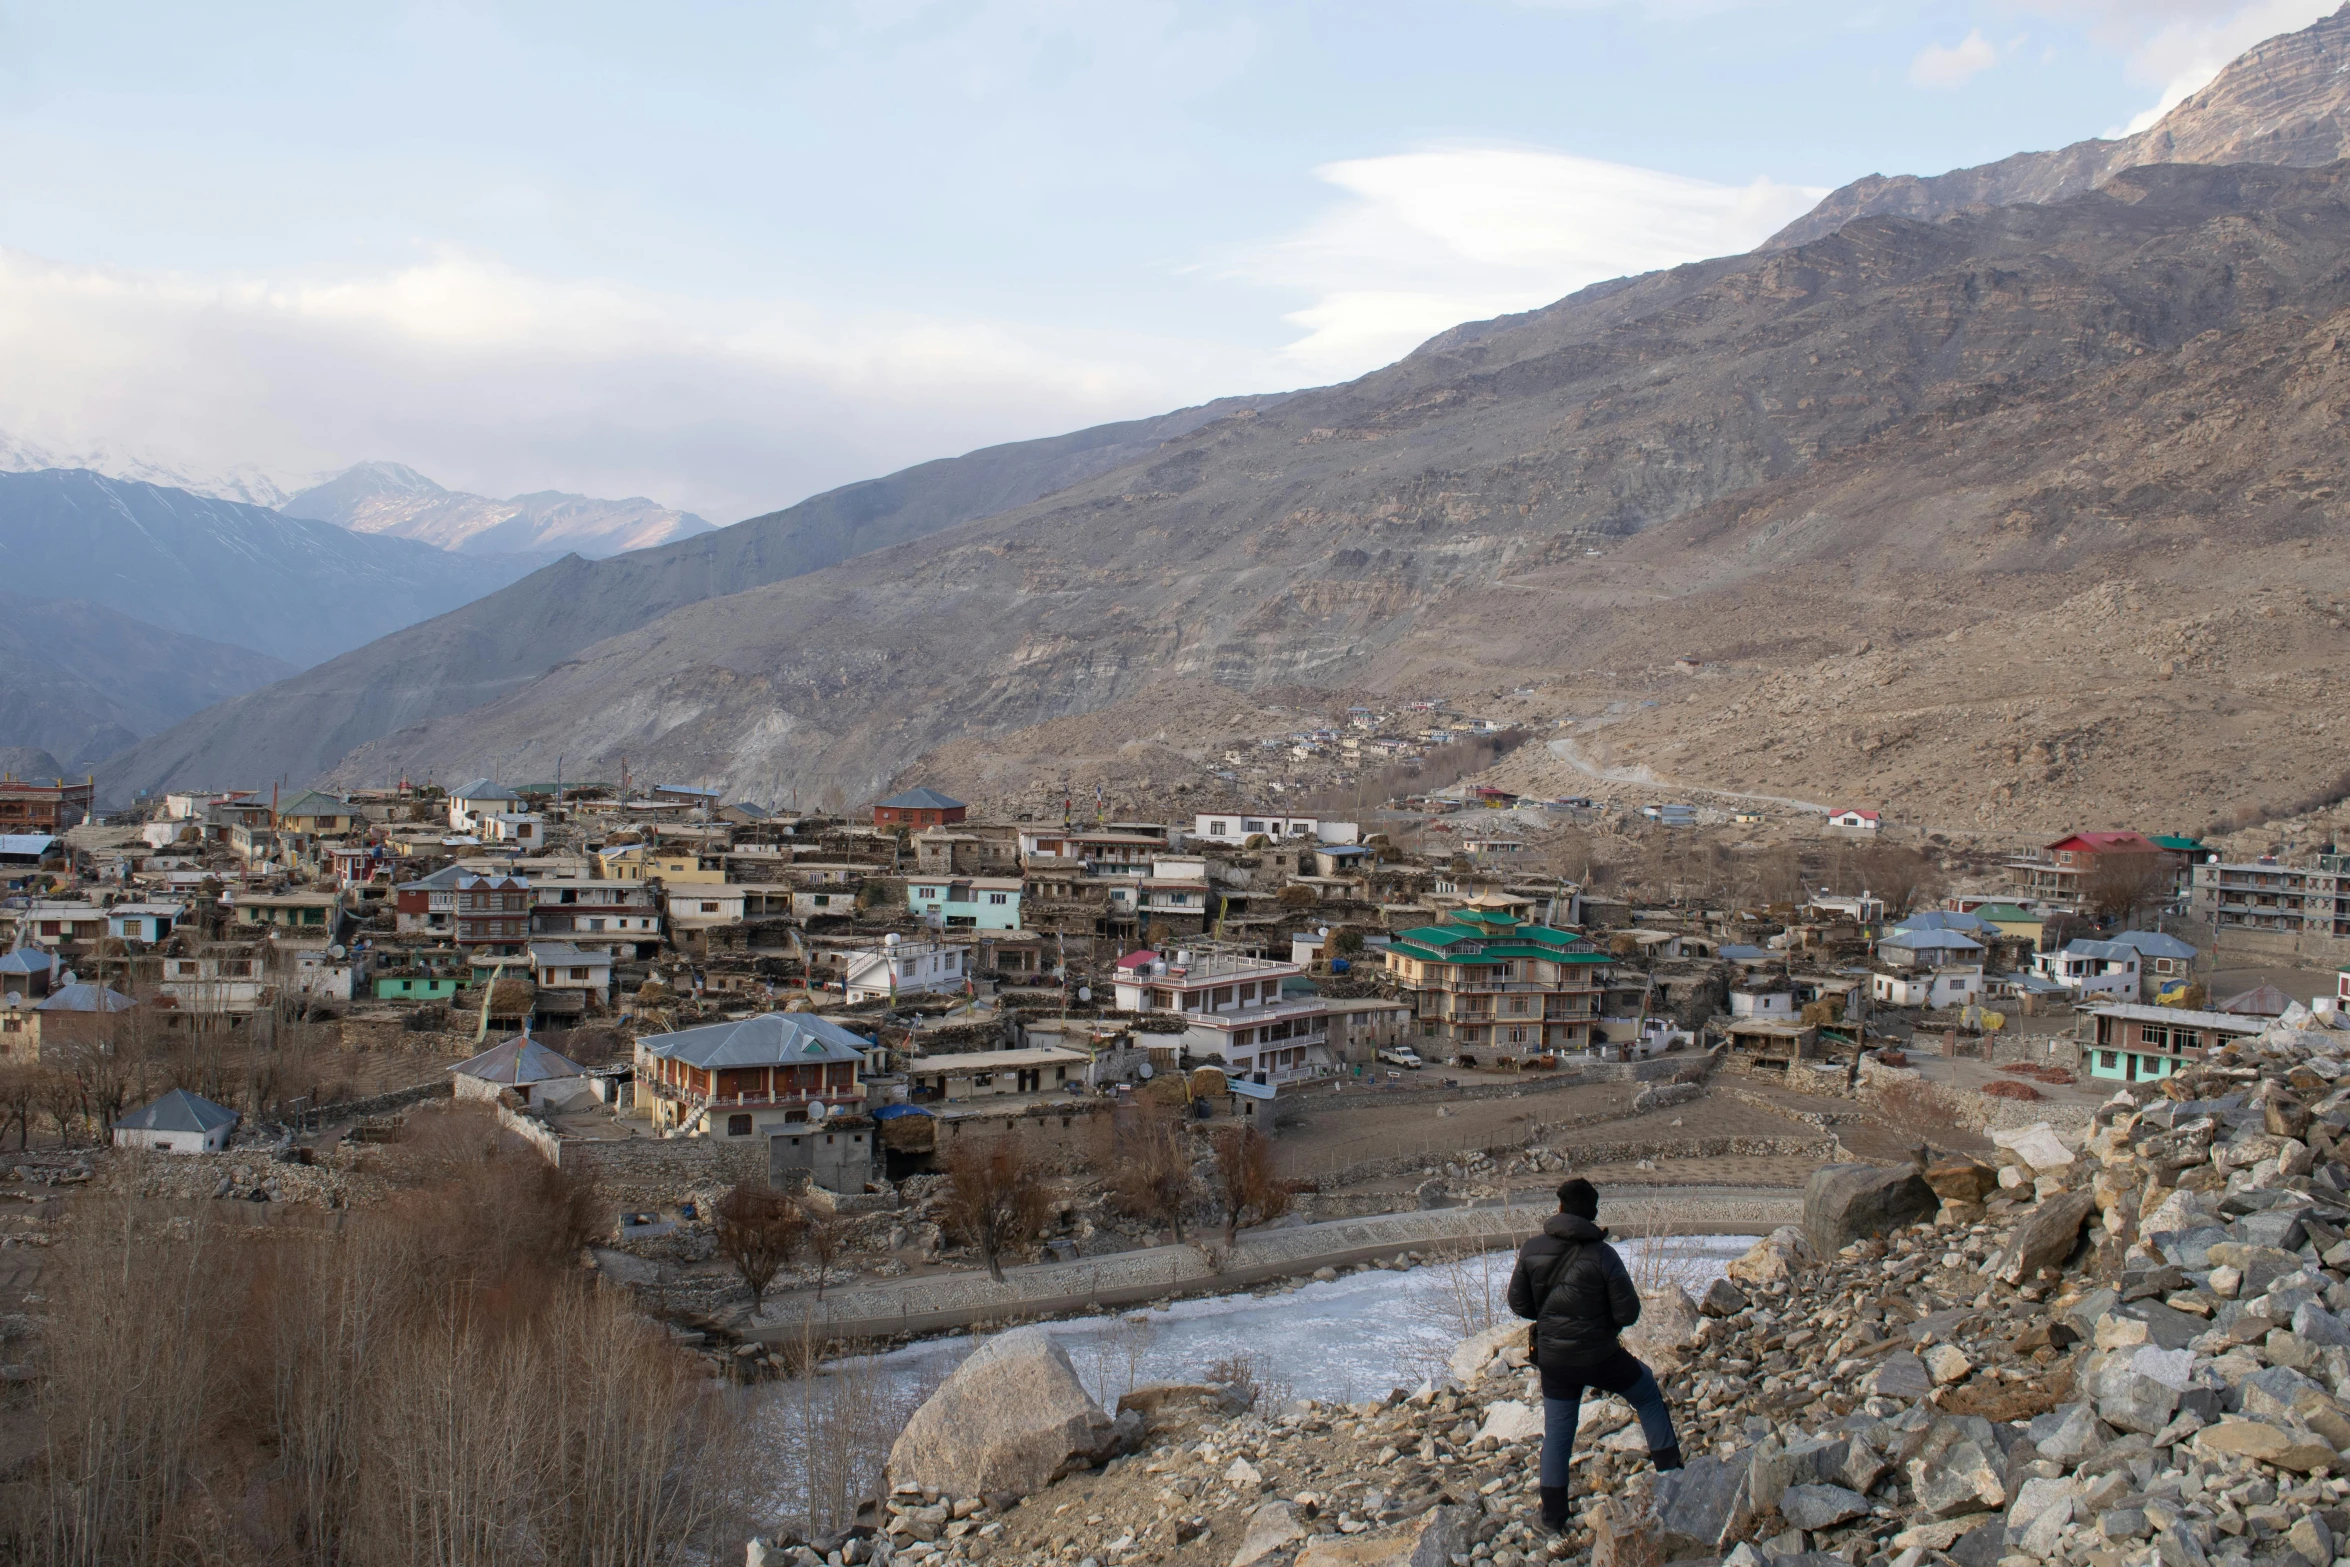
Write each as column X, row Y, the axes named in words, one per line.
column 840, row 1098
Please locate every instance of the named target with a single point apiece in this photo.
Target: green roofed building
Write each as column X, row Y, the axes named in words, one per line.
column 1486, row 980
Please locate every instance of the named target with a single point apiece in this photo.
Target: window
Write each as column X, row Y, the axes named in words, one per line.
column 2106, row 1058
column 996, row 897
column 738, row 1126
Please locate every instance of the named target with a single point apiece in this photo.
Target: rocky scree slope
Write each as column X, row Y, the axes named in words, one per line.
column 307, row 725
column 2285, row 100
column 1427, row 528
column 2125, row 1351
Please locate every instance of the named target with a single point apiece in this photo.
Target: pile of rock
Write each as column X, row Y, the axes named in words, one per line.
column 2122, row 1349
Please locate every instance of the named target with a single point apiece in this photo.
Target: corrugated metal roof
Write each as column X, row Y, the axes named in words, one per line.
column 923, row 799
column 771, row 1039
column 520, row 1060
column 85, row 997
column 178, row 1111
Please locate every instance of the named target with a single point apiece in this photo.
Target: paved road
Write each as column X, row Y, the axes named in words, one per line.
column 940, row 1301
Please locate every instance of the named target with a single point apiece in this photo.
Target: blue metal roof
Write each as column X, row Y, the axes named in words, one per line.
column 1930, row 941
column 85, row 997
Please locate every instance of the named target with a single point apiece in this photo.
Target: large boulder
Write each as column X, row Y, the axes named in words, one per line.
column 1666, row 1334
column 2047, row 1237
column 1703, row 1508
column 1959, row 1179
column 1470, row 1355
column 1775, row 1259
column 1844, row 1203
column 1013, row 1418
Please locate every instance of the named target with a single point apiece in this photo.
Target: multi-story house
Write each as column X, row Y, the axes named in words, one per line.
column 750, row 1078
column 28, row 807
column 1234, row 829
column 902, row 968
column 2092, row 968
column 225, row 980
column 428, row 905
column 1234, row 1011
column 2133, row 1042
column 2310, row 899
column 2061, row 873
column 965, row 903
column 622, row 918
column 1487, row 979
column 492, row 912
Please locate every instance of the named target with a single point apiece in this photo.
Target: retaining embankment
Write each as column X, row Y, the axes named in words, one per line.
column 944, row 1302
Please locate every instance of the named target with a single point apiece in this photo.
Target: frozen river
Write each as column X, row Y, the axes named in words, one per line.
column 1349, row 1338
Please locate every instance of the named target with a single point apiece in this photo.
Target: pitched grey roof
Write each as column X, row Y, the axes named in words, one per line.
column 771, row 1039
column 2154, row 944
column 85, row 997
column 923, row 799
column 443, row 880
column 483, row 789
column 1930, row 941
column 178, row 1111
column 517, row 1061
column 27, row 960
column 2103, row 951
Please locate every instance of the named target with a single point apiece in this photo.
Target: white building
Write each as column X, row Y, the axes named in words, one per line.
column 1959, row 986
column 1236, row 828
column 1234, row 1012
column 472, row 806
column 558, row 965
column 2093, row 968
column 179, row 1122
column 1861, row 823
column 904, row 968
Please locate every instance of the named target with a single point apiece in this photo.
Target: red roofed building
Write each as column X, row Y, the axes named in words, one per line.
column 2058, row 873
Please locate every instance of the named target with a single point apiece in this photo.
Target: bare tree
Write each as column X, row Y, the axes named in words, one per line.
column 20, row 1088
column 2119, row 885
column 995, row 1200
column 826, row 1238
column 1146, row 1166
column 1903, row 877
column 759, row 1230
column 1247, row 1188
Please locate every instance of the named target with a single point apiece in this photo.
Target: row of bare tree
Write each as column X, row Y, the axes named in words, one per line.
column 434, row 1381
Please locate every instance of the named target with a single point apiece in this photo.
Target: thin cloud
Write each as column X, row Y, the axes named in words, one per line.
column 493, row 380
column 1433, row 238
column 2178, row 46
column 1953, row 65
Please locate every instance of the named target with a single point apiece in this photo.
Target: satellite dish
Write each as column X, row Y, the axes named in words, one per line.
column 16, row 998
column 335, row 951
column 818, row 1110
column 67, row 978
column 1085, row 992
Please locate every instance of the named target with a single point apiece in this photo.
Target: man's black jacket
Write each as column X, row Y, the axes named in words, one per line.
column 1589, row 1301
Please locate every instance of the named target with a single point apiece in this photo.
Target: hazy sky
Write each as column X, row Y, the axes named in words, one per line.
column 729, row 255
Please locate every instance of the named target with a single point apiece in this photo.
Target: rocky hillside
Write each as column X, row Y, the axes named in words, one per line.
column 2097, row 1353
column 1897, row 432
column 305, row 726
column 392, row 499
column 2285, row 101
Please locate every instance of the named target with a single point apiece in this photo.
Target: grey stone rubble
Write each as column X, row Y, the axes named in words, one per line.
column 2122, row 1348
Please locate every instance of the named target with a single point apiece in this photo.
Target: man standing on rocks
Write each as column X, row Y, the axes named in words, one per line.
column 1572, row 1285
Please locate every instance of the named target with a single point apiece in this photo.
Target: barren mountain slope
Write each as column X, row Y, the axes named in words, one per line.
column 1425, row 529
column 82, row 682
column 2285, row 100
column 394, row 499
column 301, row 727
